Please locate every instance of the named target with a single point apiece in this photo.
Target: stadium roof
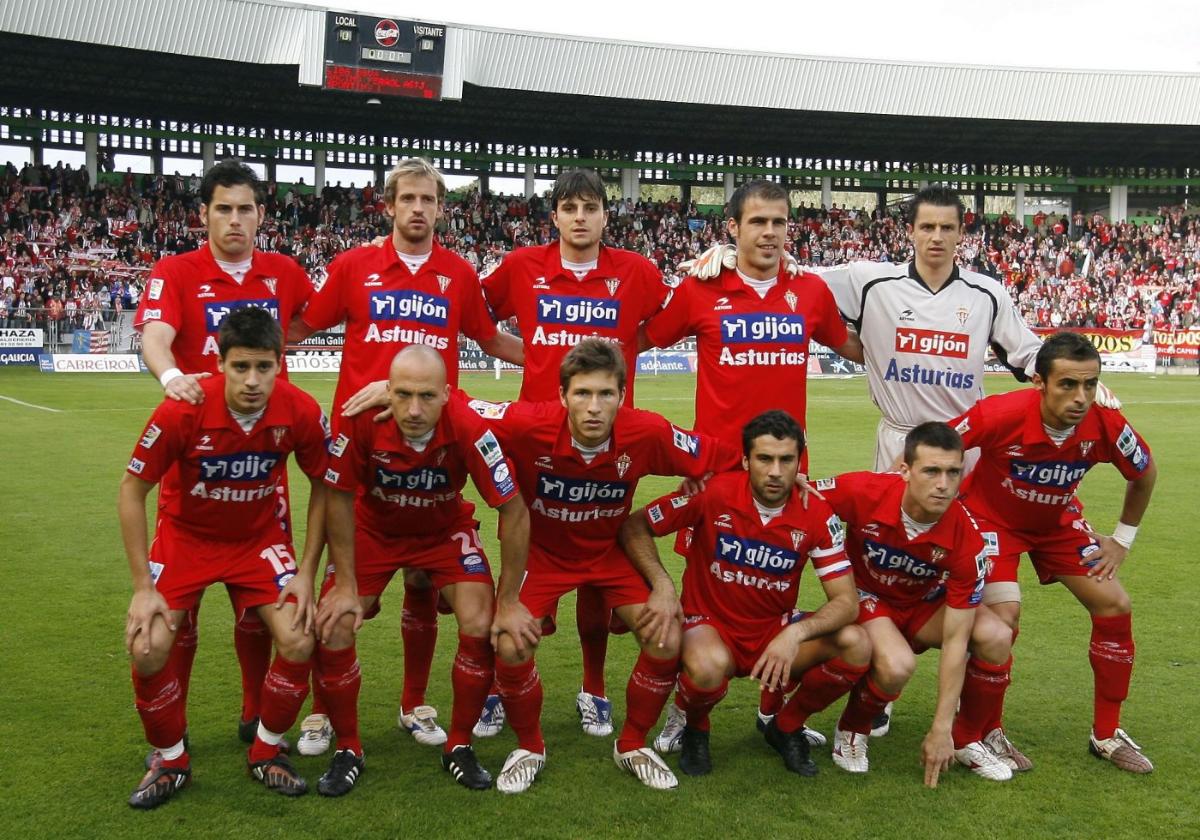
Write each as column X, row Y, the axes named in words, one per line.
column 194, row 59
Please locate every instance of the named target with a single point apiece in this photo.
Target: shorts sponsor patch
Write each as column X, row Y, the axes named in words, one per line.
column 156, row 570
column 339, row 446
column 473, row 564
column 489, row 449
column 154, row 290
column 488, row 410
column 654, row 512
column 136, row 467
column 685, row 442
column 150, row 436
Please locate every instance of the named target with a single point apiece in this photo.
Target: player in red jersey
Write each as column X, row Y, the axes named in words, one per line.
column 217, row 463
column 578, row 463
column 410, row 290
column 1035, row 447
column 396, row 501
column 187, row 297
column 919, row 565
column 753, row 324
column 571, row 289
column 752, row 534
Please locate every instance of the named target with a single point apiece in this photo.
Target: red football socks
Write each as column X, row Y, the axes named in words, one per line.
column 471, row 677
column 160, row 704
column 982, row 700
column 252, row 642
column 646, row 694
column 697, row 702
column 820, row 685
column 183, row 651
column 419, row 630
column 866, row 701
column 338, row 682
column 283, row 693
column 1111, row 653
column 591, row 616
column 521, row 693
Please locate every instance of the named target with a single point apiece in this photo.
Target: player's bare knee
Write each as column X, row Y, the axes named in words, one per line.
column 341, row 636
column 892, row 669
column 474, row 624
column 853, row 644
column 294, row 645
column 991, row 641
column 506, row 651
column 705, row 672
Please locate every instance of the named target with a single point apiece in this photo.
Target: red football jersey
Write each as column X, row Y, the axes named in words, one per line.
column 576, row 508
column 1023, row 480
column 554, row 310
column 224, row 484
column 386, row 308
column 753, row 352
column 192, row 294
column 948, row 558
column 405, row 493
column 740, row 571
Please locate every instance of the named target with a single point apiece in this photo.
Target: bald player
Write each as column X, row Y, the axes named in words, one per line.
column 396, row 503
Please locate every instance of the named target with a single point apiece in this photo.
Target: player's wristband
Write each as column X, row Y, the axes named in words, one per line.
column 168, row 375
column 1125, row 534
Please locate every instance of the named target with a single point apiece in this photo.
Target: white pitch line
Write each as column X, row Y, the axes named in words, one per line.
column 31, row 405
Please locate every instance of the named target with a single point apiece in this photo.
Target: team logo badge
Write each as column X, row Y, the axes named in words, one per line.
column 1085, row 447
column 205, row 291
column 722, row 304
column 443, row 282
column 623, row 464
column 278, row 432
column 270, row 283
column 613, row 283
column 541, row 283
column 963, row 313
column 938, row 554
column 1013, row 451
column 724, row 521
column 381, row 457
column 204, row 444
column 790, row 297
column 387, row 33
column 871, row 529
column 797, row 538
column 372, row 280
column 906, row 315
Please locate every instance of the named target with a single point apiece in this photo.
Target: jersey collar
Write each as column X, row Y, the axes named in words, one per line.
column 1035, row 432
column 731, row 282
column 791, row 515
column 564, row 447
column 552, row 267
column 389, row 259
column 216, row 412
column 916, row 275
column 216, row 274
column 888, row 513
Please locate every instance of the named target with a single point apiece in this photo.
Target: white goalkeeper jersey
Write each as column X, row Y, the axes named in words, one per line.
column 925, row 351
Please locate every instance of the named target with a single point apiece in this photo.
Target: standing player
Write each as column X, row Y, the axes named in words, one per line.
column 579, row 462
column 1036, row 445
column 396, row 501
column 186, row 299
column 561, row 293
column 410, row 290
column 218, row 462
column 919, row 565
column 753, row 325
column 740, row 587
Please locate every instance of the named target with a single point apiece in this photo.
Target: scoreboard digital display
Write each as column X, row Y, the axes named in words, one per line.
column 384, row 56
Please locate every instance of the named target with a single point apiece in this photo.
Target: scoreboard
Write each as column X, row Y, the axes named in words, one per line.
column 385, row 56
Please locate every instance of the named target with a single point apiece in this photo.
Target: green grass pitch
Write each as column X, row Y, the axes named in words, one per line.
column 72, row 745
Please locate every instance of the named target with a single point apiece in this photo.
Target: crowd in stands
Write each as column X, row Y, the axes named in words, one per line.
column 71, row 252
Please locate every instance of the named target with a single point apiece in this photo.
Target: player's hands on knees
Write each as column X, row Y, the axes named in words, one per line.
column 335, row 604
column 143, row 607
column 937, row 751
column 1105, row 562
column 371, row 395
column 660, row 613
column 186, row 388
column 299, row 587
column 514, row 619
column 774, row 667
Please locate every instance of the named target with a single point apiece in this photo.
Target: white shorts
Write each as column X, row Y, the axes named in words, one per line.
column 889, row 448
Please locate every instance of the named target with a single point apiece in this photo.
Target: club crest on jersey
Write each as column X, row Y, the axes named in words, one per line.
column 938, row 554
column 277, row 433
column 797, row 538
column 790, row 298
column 613, row 283
column 441, row 456
column 1085, row 447
column 623, row 464
column 443, row 283
column 270, row 283
column 962, row 313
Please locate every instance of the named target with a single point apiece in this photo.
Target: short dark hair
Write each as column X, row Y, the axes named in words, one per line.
column 1064, row 345
column 778, row 424
column 934, row 433
column 758, row 188
column 935, row 195
column 252, row 328
column 589, row 355
column 230, row 173
column 577, row 183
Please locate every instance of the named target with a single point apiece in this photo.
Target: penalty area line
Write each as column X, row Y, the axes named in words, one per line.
column 31, row 405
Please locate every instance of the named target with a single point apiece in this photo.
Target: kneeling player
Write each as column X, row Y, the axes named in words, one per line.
column 219, row 462
column 395, row 502
column 919, row 565
column 1035, row 447
column 740, row 587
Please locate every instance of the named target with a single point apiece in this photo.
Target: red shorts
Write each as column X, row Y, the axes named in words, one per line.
column 546, row 581
column 457, row 557
column 908, row 619
column 1062, row 552
column 744, row 647
column 253, row 570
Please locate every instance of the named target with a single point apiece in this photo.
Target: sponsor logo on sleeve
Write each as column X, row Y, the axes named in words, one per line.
column 826, row 483
column 489, row 449
column 154, row 290
column 332, row 476
column 152, row 315
column 836, row 532
column 339, row 446
column 1127, row 441
column 488, row 410
column 136, row 467
column 685, row 442
column 150, row 436
column 964, row 425
column 680, row 501
column 502, row 479
column 655, row 513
